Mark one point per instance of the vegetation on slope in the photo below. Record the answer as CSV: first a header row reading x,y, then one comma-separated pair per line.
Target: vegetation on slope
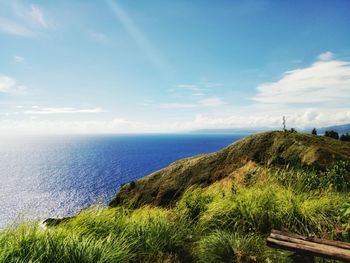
x,y
225,221
270,148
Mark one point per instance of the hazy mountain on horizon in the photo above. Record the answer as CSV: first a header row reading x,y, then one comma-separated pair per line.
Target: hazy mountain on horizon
x,y
343,128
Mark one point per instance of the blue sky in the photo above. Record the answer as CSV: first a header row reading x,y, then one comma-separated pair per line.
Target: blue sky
x,y
172,66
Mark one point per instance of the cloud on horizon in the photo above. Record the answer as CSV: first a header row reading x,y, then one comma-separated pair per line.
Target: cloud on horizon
x,y
61,110
325,81
314,96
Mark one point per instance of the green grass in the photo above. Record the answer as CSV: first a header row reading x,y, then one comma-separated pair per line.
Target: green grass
x,y
224,222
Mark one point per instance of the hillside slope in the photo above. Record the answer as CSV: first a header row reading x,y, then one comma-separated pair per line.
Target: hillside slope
x,y
270,148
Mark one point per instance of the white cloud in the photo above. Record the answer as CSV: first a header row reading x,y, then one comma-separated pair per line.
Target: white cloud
x,y
326,56
314,96
61,110
198,94
176,105
19,59
14,28
9,85
22,20
324,81
209,84
243,117
191,87
196,89
6,83
211,102
302,118
186,86
36,15
203,103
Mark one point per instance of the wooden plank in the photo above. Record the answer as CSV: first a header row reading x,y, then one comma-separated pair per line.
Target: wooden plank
x,y
340,244
306,248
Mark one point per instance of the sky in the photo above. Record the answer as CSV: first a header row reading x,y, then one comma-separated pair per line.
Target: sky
x,y
118,66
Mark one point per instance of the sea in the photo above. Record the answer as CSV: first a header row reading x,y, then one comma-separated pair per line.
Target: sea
x,y
57,176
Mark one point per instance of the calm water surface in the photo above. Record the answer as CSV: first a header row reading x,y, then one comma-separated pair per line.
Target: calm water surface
x,y
59,175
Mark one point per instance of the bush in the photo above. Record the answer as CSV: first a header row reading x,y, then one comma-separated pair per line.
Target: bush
x,y
221,246
300,180
292,130
193,203
345,220
345,137
338,176
332,134
261,208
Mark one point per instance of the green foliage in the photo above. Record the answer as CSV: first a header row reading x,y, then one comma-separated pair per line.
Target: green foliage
x,y
338,176
292,130
260,208
31,244
193,203
225,222
301,180
344,218
222,246
332,134
100,235
345,137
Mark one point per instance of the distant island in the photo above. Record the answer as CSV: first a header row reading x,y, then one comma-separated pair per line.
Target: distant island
x,y
216,207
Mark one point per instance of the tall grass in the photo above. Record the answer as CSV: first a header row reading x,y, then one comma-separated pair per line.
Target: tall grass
x,y
259,209
30,244
100,235
225,222
222,246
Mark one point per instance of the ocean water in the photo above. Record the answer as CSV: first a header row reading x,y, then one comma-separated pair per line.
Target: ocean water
x,y
58,176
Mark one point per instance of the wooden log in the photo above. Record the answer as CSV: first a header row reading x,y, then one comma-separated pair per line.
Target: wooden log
x,y
308,250
307,243
334,243
303,245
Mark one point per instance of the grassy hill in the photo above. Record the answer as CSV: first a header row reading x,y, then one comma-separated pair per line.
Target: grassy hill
x,y
265,149
209,208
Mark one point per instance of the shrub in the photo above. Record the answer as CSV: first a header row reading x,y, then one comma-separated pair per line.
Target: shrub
x,y
260,208
300,180
338,176
345,137
332,134
193,203
222,246
250,209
